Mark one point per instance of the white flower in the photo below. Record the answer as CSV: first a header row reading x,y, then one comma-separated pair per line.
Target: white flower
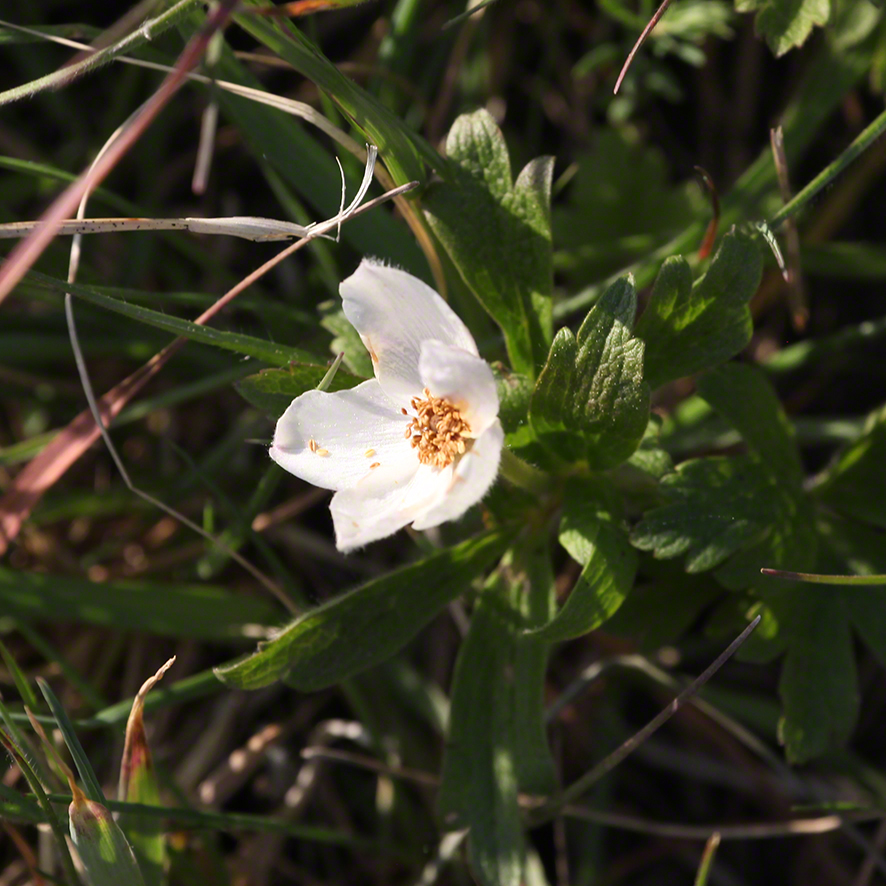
x,y
420,443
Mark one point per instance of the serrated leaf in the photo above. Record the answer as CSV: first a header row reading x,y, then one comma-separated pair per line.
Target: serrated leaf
x,y
498,234
590,400
479,787
514,392
818,683
853,483
367,625
715,506
750,508
593,532
786,23
650,458
272,390
690,328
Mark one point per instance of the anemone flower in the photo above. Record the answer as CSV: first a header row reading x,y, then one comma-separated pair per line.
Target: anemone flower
x,y
421,442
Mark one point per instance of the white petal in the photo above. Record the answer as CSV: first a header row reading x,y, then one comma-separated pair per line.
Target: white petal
x,y
475,472
394,313
383,503
463,379
352,430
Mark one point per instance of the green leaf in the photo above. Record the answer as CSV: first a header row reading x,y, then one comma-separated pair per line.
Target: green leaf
x,y
689,328
139,784
277,355
479,787
786,23
196,611
752,508
498,234
590,400
514,393
25,690
715,506
367,625
818,683
593,532
853,484
272,390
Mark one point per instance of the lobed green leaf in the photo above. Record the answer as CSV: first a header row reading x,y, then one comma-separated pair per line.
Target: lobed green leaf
x,y
754,504
690,328
786,24
591,400
715,507
746,399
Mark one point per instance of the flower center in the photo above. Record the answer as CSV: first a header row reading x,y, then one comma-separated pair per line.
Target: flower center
x,y
438,431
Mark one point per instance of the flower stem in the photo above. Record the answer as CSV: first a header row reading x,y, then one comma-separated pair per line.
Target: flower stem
x,y
523,475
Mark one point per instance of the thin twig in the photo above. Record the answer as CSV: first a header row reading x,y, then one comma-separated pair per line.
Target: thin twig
x,y
640,41
797,827
553,806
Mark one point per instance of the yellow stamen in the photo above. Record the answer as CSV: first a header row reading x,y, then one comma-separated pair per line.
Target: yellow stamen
x,y
438,430
369,453
322,452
